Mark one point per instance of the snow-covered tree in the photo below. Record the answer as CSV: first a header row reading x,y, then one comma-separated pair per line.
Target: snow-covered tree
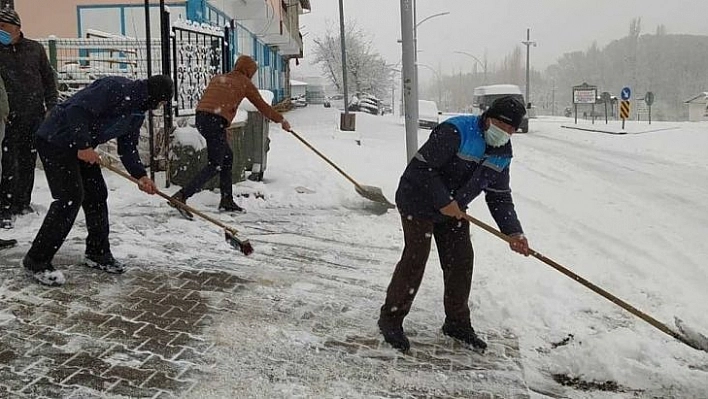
x,y
367,70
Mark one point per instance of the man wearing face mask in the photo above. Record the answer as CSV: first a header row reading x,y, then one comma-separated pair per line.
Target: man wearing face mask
x,y
112,107
32,91
215,111
4,112
464,156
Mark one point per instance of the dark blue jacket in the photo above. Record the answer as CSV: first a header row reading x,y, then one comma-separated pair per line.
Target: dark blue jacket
x,y
111,107
457,164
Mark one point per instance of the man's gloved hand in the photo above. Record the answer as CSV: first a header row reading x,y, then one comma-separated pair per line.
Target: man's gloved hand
x,y
519,244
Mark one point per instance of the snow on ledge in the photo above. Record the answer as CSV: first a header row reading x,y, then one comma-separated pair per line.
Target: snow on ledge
x,y
246,105
198,27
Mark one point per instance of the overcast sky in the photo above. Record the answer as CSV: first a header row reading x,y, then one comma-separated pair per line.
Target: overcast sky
x,y
494,27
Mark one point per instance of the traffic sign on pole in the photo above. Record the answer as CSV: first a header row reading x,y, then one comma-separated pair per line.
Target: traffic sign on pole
x,y
624,110
649,98
626,93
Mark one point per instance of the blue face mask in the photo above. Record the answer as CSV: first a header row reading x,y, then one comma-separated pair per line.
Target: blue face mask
x,y
5,37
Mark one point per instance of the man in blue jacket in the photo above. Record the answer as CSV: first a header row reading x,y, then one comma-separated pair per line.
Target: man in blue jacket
x,y
464,156
110,108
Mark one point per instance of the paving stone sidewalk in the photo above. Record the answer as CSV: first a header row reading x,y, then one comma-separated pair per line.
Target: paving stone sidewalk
x,y
158,332
137,335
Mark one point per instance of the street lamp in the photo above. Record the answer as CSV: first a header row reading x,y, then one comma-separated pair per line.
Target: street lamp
x,y
415,31
483,65
409,36
528,43
440,14
437,75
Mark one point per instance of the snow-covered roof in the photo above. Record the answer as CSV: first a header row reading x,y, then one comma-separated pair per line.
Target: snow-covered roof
x,y
297,83
497,89
703,96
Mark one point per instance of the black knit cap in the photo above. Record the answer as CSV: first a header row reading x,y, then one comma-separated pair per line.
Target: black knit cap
x,y
10,16
507,109
159,90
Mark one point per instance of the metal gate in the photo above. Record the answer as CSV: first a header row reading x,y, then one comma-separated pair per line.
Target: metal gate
x,y
198,53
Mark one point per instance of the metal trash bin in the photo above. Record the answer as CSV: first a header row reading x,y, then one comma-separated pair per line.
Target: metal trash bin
x,y
255,145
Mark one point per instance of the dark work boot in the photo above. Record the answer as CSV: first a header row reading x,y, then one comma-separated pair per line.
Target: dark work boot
x,y
179,196
394,335
105,262
6,219
4,244
465,333
43,272
227,204
22,210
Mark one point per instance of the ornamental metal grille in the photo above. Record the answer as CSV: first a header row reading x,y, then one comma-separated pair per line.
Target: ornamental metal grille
x,y
199,54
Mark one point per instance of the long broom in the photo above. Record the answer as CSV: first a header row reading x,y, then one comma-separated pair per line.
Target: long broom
x,y
230,234
685,335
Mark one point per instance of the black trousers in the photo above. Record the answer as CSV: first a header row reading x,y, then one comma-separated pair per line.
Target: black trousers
x,y
221,159
18,161
74,184
452,238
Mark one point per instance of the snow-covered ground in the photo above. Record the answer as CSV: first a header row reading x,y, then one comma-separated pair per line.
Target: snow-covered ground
x,y
627,212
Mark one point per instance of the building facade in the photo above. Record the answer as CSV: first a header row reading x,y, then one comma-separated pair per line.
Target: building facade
x,y
267,30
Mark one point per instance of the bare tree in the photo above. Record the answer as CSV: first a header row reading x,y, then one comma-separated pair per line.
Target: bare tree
x,y
367,70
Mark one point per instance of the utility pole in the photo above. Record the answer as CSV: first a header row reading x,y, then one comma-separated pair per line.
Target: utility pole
x,y
346,122
528,43
410,81
148,59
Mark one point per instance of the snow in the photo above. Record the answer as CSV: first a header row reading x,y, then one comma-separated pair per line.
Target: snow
x,y
189,136
626,211
246,104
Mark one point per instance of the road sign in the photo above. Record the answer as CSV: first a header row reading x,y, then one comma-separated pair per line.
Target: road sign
x,y
584,94
606,97
624,109
649,98
626,93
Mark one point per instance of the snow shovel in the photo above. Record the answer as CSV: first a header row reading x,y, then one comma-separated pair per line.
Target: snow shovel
x,y
230,234
369,192
685,335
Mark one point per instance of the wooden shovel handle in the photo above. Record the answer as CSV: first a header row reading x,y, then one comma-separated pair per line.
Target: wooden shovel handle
x,y
308,145
617,301
173,201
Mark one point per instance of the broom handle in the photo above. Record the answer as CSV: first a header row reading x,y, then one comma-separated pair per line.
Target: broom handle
x,y
308,145
172,200
617,301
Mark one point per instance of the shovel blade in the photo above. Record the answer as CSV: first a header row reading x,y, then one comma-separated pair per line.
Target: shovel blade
x,y
691,337
374,194
242,245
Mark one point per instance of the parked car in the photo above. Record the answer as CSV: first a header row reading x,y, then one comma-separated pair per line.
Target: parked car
x,y
428,114
366,103
298,102
484,96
